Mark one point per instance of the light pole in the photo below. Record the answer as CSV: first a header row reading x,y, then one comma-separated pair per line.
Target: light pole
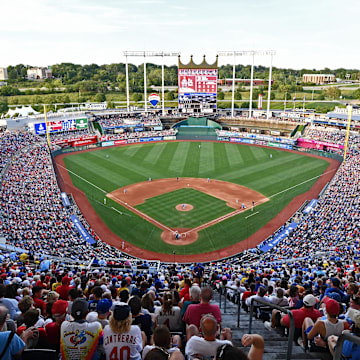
x,y
147,54
247,53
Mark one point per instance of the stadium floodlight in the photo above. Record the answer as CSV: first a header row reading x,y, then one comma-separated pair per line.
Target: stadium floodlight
x,y
252,53
147,54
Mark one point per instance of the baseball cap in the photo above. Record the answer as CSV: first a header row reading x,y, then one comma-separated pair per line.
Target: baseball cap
x,y
79,308
59,308
65,280
354,315
103,306
335,296
335,281
332,306
309,300
121,311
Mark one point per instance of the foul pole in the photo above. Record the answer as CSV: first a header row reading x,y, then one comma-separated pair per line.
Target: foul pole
x,y
349,109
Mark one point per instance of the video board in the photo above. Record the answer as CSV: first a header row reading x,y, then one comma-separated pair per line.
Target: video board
x,y
197,90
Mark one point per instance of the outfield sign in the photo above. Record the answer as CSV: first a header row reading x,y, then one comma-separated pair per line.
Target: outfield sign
x,y
154,99
85,235
241,140
61,125
281,146
283,234
310,206
65,199
156,138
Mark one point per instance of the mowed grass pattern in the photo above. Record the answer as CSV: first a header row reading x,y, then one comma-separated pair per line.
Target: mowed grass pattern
x,y
241,164
163,208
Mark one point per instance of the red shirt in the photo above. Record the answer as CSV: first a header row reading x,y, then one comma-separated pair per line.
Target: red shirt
x,y
247,294
195,311
300,315
63,291
184,293
53,334
40,304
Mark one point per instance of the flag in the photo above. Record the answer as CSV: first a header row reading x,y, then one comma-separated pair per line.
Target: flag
x,y
294,98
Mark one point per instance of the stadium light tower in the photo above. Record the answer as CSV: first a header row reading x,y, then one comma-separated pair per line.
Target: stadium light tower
x,y
147,54
252,53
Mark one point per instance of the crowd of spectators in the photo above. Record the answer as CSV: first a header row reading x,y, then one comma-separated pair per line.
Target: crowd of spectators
x,y
141,134
69,135
316,263
118,120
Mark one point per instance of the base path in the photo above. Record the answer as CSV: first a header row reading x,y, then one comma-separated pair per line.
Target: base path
x,y
236,196
109,237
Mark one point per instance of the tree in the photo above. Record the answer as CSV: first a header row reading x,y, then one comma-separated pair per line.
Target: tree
x,y
169,95
220,95
333,93
137,97
100,97
237,95
3,106
356,94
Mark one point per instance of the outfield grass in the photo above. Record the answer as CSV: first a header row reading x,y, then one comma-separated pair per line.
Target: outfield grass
x,y
163,208
244,165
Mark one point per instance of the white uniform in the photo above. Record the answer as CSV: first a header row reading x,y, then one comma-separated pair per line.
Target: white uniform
x,y
171,319
198,347
123,346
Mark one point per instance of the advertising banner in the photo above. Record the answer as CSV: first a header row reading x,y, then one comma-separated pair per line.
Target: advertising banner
x,y
40,129
79,227
78,139
120,142
154,99
283,234
314,144
107,143
68,125
157,128
65,199
55,126
139,129
81,123
156,138
84,142
169,138
310,206
240,140
281,146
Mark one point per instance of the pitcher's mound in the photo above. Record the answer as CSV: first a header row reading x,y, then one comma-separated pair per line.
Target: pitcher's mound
x,y
184,207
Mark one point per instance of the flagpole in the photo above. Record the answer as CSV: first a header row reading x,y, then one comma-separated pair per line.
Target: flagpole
x,y
47,126
349,109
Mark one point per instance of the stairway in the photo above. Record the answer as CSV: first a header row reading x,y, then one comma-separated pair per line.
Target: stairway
x,y
275,343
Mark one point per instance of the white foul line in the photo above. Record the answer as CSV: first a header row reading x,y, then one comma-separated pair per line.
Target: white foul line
x,y
251,215
292,187
83,179
136,211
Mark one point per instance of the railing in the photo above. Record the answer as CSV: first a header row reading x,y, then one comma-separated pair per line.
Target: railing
x,y
225,296
340,343
283,310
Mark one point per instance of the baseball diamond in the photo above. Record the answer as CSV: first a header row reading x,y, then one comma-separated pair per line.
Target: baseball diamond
x,y
286,180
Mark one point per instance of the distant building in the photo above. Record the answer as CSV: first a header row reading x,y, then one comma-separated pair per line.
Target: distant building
x,y
256,82
39,73
3,74
318,78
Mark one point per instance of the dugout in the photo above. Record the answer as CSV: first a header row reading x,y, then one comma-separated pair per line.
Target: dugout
x,y
197,129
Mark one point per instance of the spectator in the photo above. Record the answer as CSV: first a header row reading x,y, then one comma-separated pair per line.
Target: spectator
x,y
164,341
120,337
195,311
59,311
168,314
78,338
199,347
11,345
144,321
228,352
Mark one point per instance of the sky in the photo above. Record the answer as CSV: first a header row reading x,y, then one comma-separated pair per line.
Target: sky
x,y
311,34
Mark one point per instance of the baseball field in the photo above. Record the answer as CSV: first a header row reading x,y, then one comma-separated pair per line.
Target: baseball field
x,y
124,187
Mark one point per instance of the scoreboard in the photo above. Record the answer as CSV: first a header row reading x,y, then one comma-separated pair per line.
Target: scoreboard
x,y
197,90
